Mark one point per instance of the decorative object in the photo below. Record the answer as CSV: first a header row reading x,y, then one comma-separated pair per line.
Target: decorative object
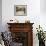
x,y
13,21
1,40
7,38
20,10
27,21
41,36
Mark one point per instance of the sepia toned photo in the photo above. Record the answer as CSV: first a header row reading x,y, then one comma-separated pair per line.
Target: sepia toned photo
x,y
20,10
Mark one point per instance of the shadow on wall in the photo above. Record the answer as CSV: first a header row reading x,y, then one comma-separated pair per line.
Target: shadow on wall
x,y
0,15
43,6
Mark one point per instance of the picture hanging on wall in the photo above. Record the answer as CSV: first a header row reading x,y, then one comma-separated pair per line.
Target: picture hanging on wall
x,y
20,10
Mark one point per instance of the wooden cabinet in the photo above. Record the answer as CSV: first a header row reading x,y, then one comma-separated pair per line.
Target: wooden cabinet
x,y
22,33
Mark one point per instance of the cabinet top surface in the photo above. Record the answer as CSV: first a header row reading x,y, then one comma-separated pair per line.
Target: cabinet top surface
x,y
19,23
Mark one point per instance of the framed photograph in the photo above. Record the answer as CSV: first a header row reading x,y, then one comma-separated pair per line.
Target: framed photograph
x,y
20,10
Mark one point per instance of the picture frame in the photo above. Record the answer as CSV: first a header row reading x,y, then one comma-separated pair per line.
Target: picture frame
x,y
20,10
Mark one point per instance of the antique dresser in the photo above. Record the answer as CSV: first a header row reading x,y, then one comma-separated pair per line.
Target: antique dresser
x,y
22,33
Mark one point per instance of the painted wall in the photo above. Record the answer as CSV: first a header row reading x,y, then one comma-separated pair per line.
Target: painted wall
x,y
33,10
43,14
43,6
0,15
34,14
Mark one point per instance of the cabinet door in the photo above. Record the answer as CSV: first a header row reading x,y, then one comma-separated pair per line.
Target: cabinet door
x,y
20,37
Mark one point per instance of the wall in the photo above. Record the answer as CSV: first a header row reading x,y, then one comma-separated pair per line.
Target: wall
x,y
33,10
43,6
0,15
43,14
34,14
